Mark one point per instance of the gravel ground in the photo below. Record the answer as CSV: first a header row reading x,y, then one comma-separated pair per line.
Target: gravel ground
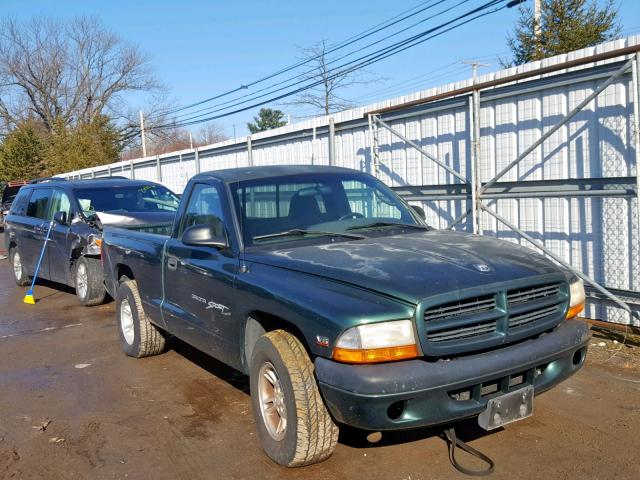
x,y
73,406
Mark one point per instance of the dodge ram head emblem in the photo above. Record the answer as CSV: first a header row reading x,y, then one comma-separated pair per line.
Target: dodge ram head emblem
x,y
482,267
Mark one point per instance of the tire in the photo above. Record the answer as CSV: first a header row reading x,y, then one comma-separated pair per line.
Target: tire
x,y
19,273
88,281
138,336
309,434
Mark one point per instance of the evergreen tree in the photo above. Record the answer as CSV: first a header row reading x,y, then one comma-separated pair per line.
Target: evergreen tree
x,y
266,120
565,25
22,153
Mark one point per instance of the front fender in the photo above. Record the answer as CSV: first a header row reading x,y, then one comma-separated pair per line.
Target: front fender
x,y
316,306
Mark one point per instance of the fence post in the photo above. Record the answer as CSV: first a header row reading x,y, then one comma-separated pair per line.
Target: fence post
x,y
132,170
635,84
249,151
332,142
158,169
197,160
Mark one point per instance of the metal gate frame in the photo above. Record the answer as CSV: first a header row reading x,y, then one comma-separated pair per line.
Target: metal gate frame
x,y
481,191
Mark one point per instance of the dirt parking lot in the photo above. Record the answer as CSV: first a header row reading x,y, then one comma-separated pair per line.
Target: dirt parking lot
x,y
73,406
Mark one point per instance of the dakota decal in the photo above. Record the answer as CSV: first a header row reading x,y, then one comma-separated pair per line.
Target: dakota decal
x,y
211,305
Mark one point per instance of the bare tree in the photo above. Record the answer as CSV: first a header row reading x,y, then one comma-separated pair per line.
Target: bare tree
x,y
70,72
326,97
209,133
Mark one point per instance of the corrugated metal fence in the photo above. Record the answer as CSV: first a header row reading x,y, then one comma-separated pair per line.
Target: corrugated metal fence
x,y
591,221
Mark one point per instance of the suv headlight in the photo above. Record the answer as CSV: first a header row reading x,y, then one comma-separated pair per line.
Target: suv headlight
x,y
377,342
576,299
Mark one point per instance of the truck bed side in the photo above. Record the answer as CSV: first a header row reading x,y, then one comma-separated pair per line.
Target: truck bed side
x,y
139,255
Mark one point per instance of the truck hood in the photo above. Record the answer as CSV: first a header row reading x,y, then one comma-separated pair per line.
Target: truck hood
x,y
412,266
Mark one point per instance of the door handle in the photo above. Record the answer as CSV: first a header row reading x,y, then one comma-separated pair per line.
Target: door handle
x,y
172,263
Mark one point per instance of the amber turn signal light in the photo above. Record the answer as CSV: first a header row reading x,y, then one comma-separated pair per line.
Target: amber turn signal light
x,y
575,310
375,355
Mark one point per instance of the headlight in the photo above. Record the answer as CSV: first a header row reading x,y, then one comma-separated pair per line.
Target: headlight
x,y
94,246
377,342
576,299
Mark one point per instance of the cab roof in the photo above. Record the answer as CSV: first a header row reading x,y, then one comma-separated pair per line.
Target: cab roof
x,y
233,175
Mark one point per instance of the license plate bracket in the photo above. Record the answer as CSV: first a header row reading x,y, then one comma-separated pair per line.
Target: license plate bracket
x,y
507,408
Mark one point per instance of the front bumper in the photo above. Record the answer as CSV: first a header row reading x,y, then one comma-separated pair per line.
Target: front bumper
x,y
418,393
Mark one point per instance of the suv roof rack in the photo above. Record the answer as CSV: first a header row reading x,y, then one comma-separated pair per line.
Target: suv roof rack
x,y
16,183
48,179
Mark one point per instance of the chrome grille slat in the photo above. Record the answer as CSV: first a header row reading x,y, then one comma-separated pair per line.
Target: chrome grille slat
x,y
515,297
523,318
463,332
463,307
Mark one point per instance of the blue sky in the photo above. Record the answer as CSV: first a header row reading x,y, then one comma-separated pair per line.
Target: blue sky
x,y
199,49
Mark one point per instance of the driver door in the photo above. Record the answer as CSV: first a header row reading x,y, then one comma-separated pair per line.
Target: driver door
x,y
198,288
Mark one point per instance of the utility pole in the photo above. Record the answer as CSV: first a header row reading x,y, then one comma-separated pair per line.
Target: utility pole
x,y
191,140
537,16
144,141
474,66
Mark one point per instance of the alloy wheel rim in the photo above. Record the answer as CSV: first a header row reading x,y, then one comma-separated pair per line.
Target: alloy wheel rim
x,y
271,398
81,281
126,321
17,266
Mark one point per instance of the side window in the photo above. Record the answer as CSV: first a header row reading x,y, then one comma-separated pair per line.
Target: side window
x,y
19,205
39,203
204,208
60,203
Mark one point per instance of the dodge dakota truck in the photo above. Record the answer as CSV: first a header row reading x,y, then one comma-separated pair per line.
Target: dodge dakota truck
x,y
344,307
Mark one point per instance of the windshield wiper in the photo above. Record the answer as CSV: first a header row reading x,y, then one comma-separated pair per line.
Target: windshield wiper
x,y
390,224
298,232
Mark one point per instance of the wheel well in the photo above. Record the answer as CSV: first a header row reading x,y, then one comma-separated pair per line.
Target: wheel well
x,y
259,323
124,271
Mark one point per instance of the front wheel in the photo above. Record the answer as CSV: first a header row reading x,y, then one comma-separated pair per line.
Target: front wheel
x,y
294,426
89,281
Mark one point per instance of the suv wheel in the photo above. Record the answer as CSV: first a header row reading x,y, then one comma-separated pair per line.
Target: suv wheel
x,y
88,281
19,273
293,423
138,336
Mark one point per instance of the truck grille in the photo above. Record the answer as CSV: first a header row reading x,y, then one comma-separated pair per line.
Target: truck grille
x,y
480,321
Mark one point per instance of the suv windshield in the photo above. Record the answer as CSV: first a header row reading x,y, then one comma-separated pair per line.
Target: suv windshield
x,y
281,209
137,198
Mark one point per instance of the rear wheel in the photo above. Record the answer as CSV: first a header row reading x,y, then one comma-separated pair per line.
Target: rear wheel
x,y
138,336
294,426
17,267
89,281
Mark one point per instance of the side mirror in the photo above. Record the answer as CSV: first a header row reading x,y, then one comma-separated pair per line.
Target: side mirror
x,y
419,211
205,236
60,217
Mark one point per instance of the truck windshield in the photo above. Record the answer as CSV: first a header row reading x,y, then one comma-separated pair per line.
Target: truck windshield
x,y
138,198
277,209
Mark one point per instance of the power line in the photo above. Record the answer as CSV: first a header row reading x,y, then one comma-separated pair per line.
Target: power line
x,y
364,61
294,80
349,41
373,55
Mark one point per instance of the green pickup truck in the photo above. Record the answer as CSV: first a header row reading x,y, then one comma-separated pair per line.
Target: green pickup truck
x,y
344,307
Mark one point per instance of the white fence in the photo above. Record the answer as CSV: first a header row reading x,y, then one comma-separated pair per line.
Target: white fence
x,y
590,162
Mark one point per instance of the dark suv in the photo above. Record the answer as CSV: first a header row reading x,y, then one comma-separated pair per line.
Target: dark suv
x,y
78,210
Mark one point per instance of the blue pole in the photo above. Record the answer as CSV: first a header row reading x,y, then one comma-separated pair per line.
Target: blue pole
x,y
35,275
